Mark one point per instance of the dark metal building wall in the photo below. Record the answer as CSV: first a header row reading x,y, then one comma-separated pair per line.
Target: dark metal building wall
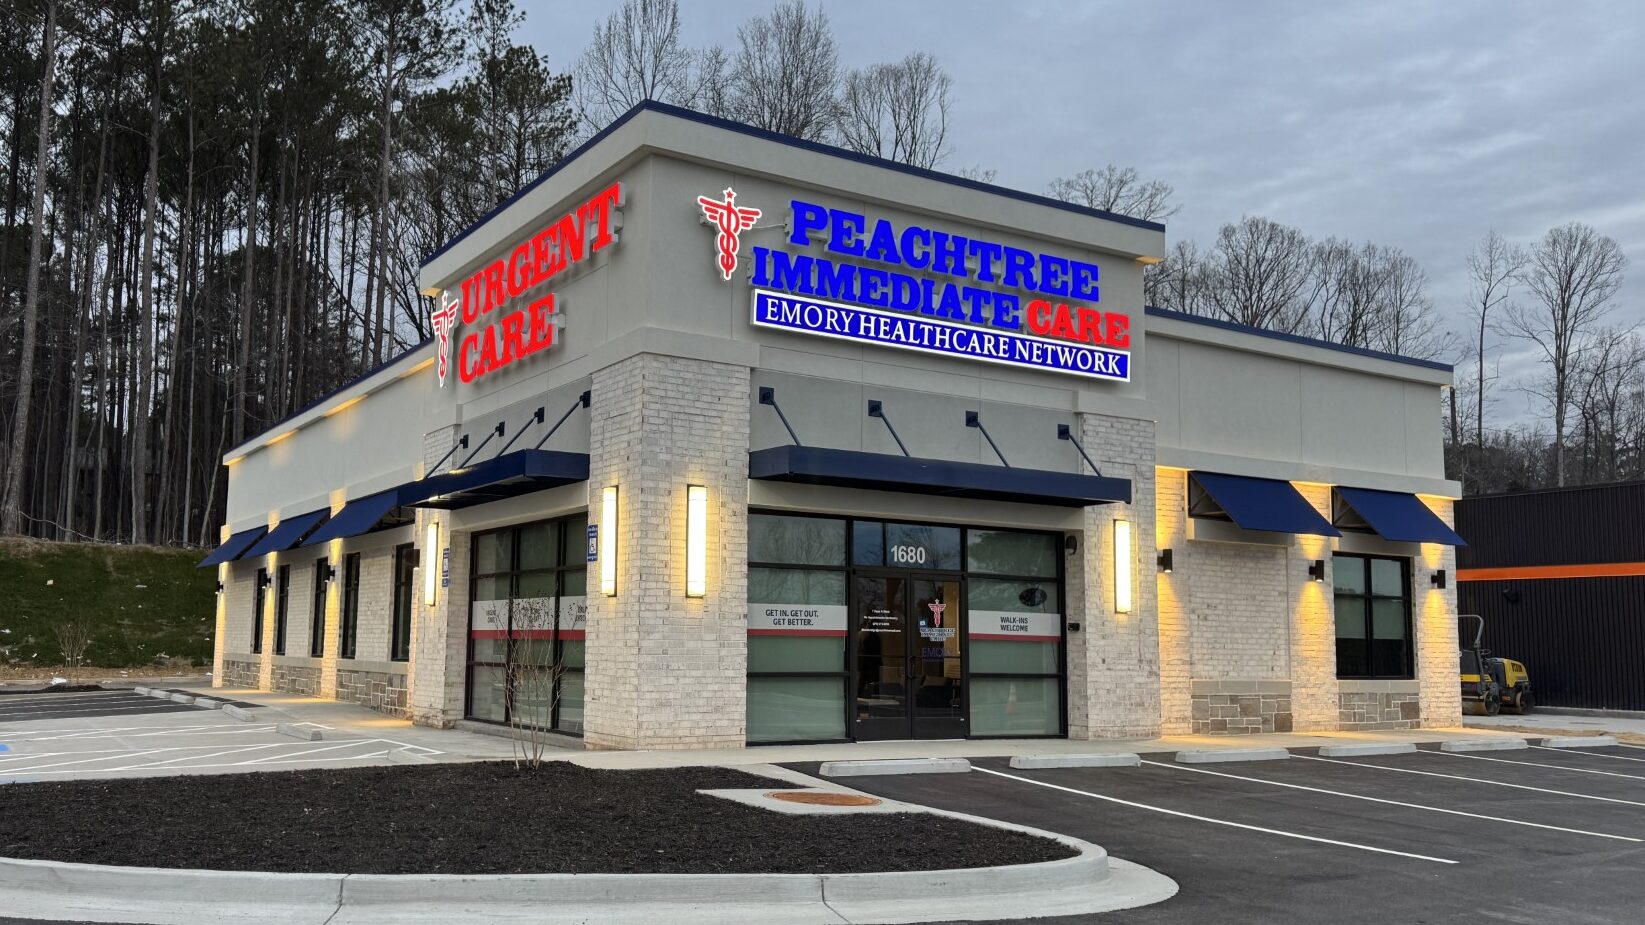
x,y
1603,523
1583,639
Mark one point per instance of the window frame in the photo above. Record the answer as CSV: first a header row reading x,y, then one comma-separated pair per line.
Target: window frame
x,y
348,629
571,558
318,601
405,601
1368,597
282,606
259,604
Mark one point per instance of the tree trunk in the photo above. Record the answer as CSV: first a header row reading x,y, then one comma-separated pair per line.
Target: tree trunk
x,y
11,510
143,375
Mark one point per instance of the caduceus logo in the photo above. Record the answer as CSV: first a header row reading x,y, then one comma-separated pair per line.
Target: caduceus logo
x,y
732,220
937,607
445,321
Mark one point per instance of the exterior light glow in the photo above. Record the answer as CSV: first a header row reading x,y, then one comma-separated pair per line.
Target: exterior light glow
x,y
608,541
696,540
430,575
1122,566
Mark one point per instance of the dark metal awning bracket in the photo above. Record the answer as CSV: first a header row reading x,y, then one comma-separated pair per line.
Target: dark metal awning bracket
x,y
876,409
461,444
536,418
768,396
1064,432
495,432
973,419
582,401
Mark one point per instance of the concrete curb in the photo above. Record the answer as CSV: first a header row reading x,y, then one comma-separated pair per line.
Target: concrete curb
x,y
183,698
1118,760
306,733
139,689
1578,742
1482,745
1218,755
1089,882
1361,751
207,703
864,768
239,713
159,694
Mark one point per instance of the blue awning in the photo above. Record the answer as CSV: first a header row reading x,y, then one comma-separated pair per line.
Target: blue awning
x,y
288,533
506,476
855,469
1271,505
356,517
1394,515
234,547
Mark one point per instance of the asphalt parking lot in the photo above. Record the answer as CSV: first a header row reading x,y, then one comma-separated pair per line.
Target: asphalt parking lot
x,y
1535,835
23,708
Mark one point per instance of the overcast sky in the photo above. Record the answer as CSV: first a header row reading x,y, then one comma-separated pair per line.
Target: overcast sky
x,y
1419,125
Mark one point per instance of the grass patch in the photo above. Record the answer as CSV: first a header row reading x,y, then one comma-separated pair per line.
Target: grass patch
x,y
148,606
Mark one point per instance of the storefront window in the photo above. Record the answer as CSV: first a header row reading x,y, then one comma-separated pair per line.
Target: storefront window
x,y
528,615
1003,600
1373,617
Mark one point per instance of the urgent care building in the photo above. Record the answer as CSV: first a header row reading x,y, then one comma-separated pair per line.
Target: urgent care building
x,y
754,440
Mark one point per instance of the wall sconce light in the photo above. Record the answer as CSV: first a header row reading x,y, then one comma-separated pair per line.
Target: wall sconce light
x,y
1165,561
219,587
608,541
1071,544
1438,578
431,576
696,540
1317,570
1122,566
330,576
268,580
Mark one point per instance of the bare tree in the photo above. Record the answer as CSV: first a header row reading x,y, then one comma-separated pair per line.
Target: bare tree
x,y
1492,268
11,500
977,172
1179,282
532,685
1574,272
634,55
1607,372
897,111
73,639
1117,189
1259,274
785,72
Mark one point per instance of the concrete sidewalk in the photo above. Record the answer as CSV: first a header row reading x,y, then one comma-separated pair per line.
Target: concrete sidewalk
x,y
1554,723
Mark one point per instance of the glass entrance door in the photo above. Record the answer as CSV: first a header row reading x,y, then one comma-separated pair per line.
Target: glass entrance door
x,y
909,672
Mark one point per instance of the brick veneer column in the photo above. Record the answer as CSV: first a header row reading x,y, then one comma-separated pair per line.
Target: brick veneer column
x,y
1174,602
664,670
1114,661
1433,619
439,634
1314,705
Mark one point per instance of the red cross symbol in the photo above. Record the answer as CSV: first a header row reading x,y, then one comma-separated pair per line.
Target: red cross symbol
x,y
732,220
445,321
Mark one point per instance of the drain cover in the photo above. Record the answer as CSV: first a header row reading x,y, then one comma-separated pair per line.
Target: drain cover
x,y
822,798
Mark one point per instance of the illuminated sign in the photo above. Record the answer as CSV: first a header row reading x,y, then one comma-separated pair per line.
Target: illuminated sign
x,y
510,336
918,288
731,220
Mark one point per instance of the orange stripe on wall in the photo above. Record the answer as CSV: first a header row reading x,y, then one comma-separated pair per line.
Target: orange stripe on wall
x,y
1531,572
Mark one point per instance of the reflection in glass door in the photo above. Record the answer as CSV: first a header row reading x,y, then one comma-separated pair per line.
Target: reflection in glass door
x,y
906,645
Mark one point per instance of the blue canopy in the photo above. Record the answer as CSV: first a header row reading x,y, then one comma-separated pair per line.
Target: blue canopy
x,y
506,476
1398,516
356,517
234,547
287,533
855,469
1271,505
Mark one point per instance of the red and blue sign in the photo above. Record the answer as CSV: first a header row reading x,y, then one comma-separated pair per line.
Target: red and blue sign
x,y
918,288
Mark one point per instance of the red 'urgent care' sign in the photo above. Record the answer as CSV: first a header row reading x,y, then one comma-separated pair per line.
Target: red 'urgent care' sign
x,y
529,266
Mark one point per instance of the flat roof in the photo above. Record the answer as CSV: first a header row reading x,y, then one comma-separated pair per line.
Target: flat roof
x,y
1225,325
791,141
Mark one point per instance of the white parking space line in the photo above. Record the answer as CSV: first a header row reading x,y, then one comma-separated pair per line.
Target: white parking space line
x,y
1540,764
312,751
59,764
124,732
1370,799
1577,751
152,706
1237,825
1474,780
239,749
196,767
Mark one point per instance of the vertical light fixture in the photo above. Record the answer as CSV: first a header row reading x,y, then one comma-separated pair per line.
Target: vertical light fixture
x,y
431,550
696,540
608,541
1122,566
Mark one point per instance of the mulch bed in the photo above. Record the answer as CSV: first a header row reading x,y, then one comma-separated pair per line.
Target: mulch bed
x,y
55,689
487,818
